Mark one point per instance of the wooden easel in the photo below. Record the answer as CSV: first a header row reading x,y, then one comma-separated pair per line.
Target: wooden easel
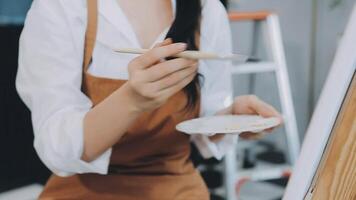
x,y
335,178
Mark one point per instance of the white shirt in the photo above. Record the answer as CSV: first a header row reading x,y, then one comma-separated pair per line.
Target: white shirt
x,y
50,74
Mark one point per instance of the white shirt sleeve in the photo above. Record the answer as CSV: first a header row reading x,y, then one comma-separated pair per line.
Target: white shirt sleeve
x,y
216,91
49,82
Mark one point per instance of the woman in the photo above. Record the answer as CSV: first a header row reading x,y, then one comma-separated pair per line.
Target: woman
x,y
104,122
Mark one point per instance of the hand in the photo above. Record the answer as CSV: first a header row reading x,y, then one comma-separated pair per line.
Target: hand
x,y
152,80
250,105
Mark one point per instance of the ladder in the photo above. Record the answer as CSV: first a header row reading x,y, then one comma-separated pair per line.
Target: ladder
x,y
273,41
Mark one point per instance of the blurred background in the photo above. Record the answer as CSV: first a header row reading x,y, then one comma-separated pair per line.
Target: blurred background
x,y
309,31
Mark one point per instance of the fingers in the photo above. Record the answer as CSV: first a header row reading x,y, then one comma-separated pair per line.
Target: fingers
x,y
251,136
262,108
251,104
177,87
166,68
156,54
270,130
175,78
165,42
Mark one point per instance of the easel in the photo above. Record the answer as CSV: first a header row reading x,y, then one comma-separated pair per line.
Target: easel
x,y
336,175
326,167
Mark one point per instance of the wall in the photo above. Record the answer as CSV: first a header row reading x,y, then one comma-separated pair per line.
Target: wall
x,y
307,68
330,27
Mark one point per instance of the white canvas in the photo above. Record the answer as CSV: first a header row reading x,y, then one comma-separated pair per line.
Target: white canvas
x,y
325,114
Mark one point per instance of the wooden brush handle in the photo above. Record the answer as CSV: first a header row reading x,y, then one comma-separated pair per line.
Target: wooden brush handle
x,y
185,54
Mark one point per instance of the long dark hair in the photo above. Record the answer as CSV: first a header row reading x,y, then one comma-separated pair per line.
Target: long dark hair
x,y
185,28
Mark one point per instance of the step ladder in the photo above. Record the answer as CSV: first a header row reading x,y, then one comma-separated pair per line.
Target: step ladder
x,y
274,46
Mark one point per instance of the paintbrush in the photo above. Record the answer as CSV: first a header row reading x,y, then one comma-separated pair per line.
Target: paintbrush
x,y
195,55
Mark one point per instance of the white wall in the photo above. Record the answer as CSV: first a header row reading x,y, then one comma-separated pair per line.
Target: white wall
x,y
307,72
330,27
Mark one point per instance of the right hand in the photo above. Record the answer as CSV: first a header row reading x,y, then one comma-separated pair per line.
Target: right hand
x,y
153,80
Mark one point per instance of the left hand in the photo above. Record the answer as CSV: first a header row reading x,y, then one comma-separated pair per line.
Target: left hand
x,y
249,105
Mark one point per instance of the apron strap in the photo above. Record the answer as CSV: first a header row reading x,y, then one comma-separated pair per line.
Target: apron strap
x,y
90,34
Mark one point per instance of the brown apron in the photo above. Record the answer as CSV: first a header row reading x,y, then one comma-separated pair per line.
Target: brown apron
x,y
151,161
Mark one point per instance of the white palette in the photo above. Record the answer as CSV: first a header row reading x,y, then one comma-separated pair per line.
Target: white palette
x,y
233,124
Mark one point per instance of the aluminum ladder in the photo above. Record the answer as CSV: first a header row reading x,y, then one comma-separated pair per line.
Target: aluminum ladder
x,y
274,46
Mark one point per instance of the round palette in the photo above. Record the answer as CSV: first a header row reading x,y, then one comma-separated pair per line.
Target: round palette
x,y
234,124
